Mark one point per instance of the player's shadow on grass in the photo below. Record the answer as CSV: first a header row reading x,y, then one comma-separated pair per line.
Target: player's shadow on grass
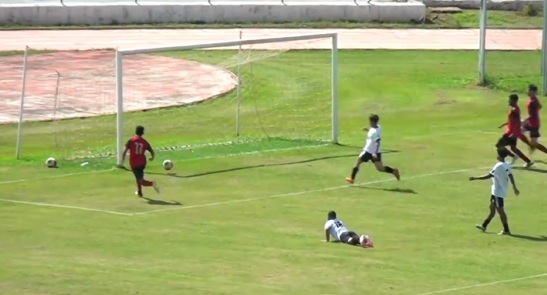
x,y
531,169
268,165
390,190
161,202
530,238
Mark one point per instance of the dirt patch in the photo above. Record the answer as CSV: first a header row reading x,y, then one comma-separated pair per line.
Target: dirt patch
x,y
75,84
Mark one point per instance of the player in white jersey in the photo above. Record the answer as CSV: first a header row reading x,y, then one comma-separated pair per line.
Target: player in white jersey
x,y
372,152
336,229
501,175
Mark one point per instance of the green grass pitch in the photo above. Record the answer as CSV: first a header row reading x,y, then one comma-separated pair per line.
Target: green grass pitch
x,y
252,212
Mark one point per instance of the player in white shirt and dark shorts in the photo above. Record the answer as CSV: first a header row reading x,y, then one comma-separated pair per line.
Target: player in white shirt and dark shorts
x,y
336,229
371,151
501,175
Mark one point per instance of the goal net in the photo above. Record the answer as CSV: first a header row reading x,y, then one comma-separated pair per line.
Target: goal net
x,y
240,96
55,100
207,100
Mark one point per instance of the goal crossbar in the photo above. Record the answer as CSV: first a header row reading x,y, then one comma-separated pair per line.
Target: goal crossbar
x,y
231,43
334,73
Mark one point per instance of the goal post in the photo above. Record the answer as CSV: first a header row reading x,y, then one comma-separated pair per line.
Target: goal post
x,y
246,60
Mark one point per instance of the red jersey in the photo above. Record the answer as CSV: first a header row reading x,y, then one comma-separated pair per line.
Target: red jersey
x,y
513,127
137,146
533,106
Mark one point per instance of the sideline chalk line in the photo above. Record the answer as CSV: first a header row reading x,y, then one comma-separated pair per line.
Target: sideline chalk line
x,y
56,176
240,200
64,206
485,284
308,191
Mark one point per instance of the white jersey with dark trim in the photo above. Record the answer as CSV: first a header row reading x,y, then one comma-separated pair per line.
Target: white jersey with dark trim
x,y
374,136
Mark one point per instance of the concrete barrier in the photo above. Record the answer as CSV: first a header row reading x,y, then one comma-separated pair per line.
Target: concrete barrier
x,y
203,12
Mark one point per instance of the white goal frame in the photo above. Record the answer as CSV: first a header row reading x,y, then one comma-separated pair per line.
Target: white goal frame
x,y
334,76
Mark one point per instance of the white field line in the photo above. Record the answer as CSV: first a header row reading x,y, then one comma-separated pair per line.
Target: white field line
x,y
57,176
236,201
485,284
292,194
64,206
256,152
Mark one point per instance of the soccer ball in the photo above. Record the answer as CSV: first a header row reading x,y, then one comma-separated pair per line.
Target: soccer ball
x,y
51,162
167,165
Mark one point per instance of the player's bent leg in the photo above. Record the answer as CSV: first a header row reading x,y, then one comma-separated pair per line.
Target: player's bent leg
x,y
521,155
503,216
139,174
534,136
380,167
355,169
353,238
345,237
491,215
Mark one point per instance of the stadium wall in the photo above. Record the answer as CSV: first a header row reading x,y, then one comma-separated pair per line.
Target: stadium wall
x,y
52,15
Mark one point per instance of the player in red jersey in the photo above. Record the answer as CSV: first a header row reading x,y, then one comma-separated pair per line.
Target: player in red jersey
x,y
512,132
532,123
137,146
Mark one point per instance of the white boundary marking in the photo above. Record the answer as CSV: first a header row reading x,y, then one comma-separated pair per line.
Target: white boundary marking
x,y
291,194
240,200
256,152
485,284
56,176
64,206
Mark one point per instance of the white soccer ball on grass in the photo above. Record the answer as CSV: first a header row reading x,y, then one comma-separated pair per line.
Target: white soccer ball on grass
x,y
51,162
168,165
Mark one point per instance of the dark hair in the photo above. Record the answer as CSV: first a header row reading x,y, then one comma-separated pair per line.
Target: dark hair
x,y
139,130
532,87
514,97
503,153
331,215
374,118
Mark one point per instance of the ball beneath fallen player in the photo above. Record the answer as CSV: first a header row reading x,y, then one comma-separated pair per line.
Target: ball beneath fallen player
x,y
51,162
167,165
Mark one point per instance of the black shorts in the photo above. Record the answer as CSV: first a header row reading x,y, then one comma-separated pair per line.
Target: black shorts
x,y
366,156
534,131
497,201
506,140
345,236
138,172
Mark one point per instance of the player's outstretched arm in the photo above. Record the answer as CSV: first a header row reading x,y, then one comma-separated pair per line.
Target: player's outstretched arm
x,y
152,154
485,177
502,125
124,154
513,183
327,235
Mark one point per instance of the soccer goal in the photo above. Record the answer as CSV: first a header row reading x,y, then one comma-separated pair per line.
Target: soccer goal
x,y
271,92
205,100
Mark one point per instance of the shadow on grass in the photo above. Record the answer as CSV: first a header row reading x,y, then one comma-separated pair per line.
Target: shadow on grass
x,y
266,165
161,202
530,238
532,169
391,190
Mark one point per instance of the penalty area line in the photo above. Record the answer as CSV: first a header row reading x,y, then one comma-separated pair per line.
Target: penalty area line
x,y
64,207
56,176
298,193
485,284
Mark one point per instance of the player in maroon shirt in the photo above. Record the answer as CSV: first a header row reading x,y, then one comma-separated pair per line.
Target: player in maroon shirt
x,y
137,146
512,132
532,123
